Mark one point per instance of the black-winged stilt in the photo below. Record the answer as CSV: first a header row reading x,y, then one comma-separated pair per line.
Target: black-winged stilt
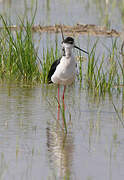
x,y
63,70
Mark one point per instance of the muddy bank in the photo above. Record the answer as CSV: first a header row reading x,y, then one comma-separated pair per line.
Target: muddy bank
x,y
90,29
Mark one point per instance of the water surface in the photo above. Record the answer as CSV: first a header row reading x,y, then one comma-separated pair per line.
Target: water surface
x,y
33,145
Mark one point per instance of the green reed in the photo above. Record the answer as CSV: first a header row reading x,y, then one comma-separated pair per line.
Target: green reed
x,y
104,73
17,53
48,58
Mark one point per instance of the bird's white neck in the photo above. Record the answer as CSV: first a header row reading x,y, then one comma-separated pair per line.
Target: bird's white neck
x,y
68,52
67,48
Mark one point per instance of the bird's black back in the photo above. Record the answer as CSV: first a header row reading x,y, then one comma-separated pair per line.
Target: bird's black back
x,y
52,70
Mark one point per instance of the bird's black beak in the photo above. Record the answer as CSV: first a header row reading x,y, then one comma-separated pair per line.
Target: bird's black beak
x,y
81,49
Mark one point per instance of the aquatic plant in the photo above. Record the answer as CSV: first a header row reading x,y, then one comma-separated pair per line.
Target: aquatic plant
x,y
17,53
47,59
103,74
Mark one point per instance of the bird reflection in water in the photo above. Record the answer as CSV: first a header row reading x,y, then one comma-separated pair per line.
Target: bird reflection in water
x,y
60,151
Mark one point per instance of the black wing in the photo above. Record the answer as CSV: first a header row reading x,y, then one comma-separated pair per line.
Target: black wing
x,y
52,70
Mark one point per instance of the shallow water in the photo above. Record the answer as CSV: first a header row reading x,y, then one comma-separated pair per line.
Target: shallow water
x,y
67,12
33,145
32,142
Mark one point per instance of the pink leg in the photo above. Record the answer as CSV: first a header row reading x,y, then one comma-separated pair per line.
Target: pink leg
x,y
58,104
63,97
63,116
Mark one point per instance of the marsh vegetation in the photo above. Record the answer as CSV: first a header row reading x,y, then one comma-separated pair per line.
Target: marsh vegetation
x,y
19,60
34,144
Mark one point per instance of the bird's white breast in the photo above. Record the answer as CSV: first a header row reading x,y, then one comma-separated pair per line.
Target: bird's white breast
x,y
65,71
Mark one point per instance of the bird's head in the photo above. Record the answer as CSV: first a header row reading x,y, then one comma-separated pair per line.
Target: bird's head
x,y
68,43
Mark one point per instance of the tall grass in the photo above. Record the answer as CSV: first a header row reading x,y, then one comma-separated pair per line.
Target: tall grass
x,y
19,59
47,59
105,73
17,53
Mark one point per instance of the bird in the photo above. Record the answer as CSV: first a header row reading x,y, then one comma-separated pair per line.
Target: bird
x,y
63,70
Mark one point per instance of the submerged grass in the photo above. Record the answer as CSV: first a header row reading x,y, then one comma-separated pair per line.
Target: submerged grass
x,y
120,119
